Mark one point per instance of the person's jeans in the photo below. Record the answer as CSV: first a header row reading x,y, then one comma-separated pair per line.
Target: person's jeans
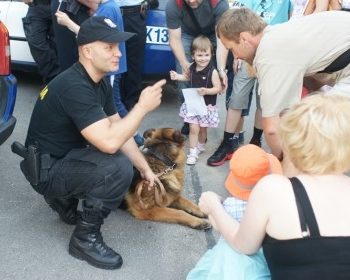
x,y
122,111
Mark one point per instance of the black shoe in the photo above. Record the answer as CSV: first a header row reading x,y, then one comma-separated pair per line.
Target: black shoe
x,y
66,208
223,153
256,142
87,244
241,138
185,130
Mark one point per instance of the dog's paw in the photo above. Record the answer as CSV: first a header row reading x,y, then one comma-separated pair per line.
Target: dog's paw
x,y
204,225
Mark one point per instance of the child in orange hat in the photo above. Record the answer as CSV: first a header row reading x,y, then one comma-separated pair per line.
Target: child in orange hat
x,y
247,166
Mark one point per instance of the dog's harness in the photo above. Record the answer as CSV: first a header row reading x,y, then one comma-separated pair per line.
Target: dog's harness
x,y
159,191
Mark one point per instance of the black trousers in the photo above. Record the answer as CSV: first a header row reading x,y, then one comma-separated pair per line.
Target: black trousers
x,y
100,179
38,29
135,49
66,45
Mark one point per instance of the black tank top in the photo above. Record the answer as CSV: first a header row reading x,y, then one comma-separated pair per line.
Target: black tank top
x,y
203,79
312,257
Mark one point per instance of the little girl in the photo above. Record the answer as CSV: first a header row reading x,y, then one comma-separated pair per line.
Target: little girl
x,y
205,78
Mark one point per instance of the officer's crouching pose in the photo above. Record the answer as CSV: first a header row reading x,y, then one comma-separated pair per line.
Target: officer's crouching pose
x,y
87,151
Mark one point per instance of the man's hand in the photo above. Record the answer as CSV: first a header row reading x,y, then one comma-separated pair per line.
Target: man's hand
x,y
223,79
151,178
150,97
28,1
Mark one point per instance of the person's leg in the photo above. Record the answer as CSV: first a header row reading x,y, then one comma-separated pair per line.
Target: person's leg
x,y
132,79
258,130
202,139
230,76
122,111
37,26
186,43
242,87
101,180
193,141
67,49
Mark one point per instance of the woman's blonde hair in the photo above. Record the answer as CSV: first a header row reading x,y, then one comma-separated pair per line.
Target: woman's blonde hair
x,y
315,134
235,21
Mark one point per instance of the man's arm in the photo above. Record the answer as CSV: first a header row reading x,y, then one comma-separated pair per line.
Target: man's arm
x,y
221,58
109,134
269,125
178,49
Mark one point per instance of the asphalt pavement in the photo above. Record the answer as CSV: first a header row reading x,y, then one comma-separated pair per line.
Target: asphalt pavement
x,y
34,241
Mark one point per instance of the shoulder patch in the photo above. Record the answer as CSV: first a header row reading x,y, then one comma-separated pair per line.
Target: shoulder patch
x,y
43,93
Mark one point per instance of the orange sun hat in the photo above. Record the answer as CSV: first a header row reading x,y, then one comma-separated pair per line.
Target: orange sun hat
x,y
247,166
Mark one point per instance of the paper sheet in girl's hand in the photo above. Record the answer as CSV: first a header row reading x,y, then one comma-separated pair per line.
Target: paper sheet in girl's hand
x,y
194,102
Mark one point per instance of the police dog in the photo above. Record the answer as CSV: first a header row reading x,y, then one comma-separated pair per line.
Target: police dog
x,y
164,152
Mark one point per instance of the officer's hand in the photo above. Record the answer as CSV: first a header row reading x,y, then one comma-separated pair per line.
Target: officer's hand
x,y
150,97
27,1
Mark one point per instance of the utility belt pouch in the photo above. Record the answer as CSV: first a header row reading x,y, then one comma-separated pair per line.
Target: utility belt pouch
x,y
45,165
30,165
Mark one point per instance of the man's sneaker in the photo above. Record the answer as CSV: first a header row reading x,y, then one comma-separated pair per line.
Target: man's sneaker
x,y
185,130
223,153
192,156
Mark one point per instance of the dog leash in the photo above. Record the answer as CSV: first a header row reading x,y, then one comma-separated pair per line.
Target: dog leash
x,y
159,190
159,193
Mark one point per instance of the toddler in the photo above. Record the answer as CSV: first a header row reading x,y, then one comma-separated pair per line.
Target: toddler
x,y
205,78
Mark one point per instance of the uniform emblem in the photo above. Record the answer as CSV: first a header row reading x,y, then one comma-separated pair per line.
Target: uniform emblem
x,y
110,23
43,93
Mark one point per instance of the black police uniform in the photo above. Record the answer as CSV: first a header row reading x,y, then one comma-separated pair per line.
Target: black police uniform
x,y
38,29
70,103
67,49
135,22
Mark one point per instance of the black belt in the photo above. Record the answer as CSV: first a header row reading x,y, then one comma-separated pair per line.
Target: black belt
x,y
126,10
42,2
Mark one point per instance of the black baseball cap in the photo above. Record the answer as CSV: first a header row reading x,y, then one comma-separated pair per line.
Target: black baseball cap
x,y
98,28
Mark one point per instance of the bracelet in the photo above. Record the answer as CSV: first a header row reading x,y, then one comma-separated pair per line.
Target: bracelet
x,y
222,70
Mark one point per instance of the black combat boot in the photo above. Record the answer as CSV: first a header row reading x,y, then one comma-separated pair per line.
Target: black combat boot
x,y
66,208
224,152
87,243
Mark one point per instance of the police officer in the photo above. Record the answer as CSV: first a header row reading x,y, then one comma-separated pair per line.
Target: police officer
x,y
92,150
38,29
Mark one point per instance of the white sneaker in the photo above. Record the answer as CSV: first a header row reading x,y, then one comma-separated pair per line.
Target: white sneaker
x,y
200,147
192,156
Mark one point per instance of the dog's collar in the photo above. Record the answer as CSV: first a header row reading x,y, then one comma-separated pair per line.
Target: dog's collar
x,y
166,160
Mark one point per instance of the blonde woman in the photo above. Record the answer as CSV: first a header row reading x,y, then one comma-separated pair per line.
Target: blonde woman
x,y
302,223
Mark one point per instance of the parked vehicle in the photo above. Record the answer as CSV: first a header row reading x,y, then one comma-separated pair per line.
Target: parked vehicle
x,y
159,59
8,87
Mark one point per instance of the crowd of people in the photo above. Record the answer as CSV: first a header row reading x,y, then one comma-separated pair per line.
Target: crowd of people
x,y
278,224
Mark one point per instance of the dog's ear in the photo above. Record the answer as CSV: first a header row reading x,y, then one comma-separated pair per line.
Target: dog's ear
x,y
178,137
148,133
